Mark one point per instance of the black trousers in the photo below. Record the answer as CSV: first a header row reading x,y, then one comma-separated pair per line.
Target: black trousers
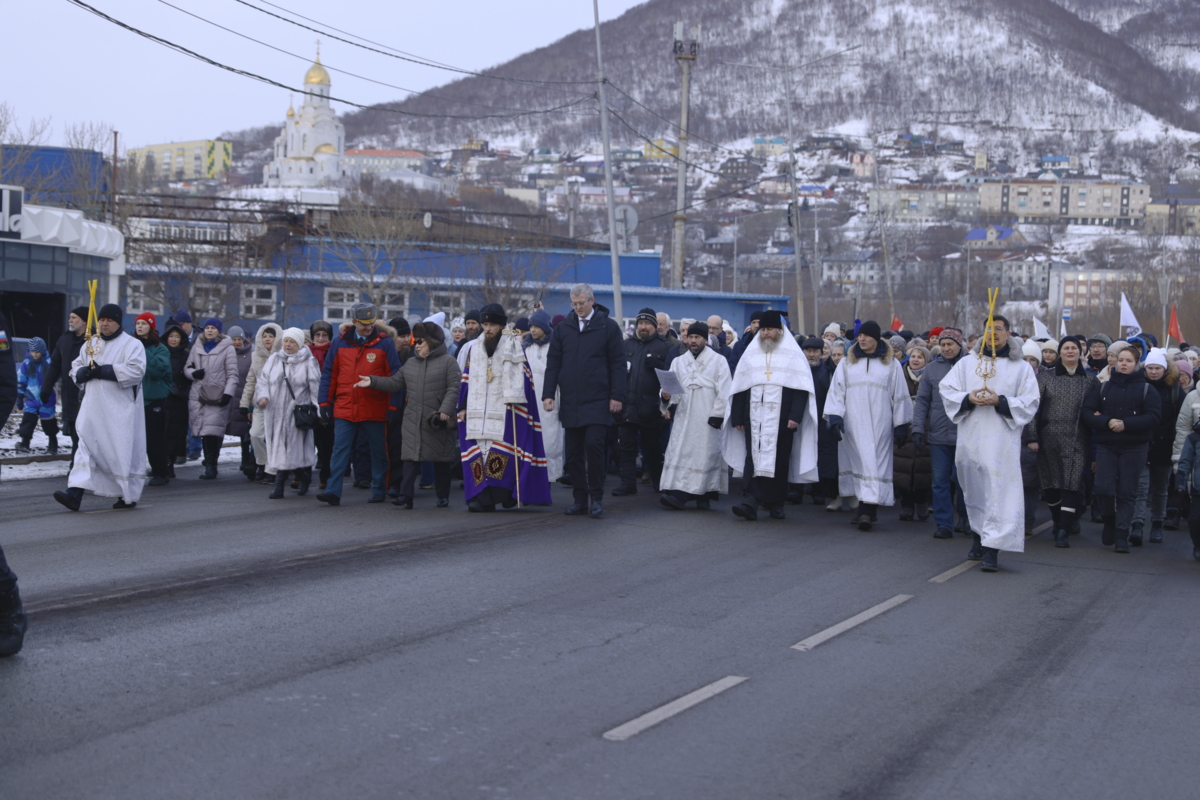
x,y
8,579
627,451
177,426
443,471
585,460
1065,506
29,422
1117,474
156,438
323,436
1193,520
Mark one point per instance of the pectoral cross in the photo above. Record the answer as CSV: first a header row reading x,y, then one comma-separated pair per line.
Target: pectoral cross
x,y
768,372
489,372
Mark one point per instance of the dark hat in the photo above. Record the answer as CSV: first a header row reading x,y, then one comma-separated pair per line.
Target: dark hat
x,y
541,318
756,316
400,325
648,315
698,328
472,315
363,312
871,328
771,318
181,316
813,343
81,312
36,345
494,313
111,311
953,334
907,336
522,324
216,323
320,325
1078,340
557,319
1100,337
430,331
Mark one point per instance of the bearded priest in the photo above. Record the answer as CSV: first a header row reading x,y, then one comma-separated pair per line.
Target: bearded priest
x,y
499,432
770,430
693,468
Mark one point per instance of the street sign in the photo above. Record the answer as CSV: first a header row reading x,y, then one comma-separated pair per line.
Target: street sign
x,y
1066,313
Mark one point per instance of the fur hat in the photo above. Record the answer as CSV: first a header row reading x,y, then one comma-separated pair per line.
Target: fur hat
x,y
698,329
427,330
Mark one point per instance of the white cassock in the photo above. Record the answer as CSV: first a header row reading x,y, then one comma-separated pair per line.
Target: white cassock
x,y
871,396
111,459
988,456
552,432
693,462
766,375
464,353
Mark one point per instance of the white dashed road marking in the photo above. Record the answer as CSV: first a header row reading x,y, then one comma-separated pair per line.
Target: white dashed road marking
x,y
853,622
652,718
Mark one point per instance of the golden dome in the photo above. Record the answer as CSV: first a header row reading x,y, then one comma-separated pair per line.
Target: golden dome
x,y
316,73
326,148
291,112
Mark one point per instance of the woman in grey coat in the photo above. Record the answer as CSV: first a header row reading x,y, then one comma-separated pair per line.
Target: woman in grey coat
x,y
431,378
289,378
212,367
239,423
266,342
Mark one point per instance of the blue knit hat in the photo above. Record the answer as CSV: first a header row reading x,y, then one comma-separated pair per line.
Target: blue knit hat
x,y
181,316
37,345
541,318
216,323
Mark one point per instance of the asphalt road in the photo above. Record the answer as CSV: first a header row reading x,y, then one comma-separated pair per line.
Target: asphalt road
x,y
213,643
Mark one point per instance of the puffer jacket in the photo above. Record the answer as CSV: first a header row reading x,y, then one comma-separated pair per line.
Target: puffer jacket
x,y
258,359
350,358
206,415
431,386
1170,395
1188,414
30,379
1128,398
642,392
180,385
239,425
158,379
929,412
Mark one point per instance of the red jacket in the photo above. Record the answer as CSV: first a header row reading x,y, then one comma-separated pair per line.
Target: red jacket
x,y
348,359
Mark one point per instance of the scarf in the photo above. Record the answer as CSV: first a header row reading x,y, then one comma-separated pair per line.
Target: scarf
x,y
209,344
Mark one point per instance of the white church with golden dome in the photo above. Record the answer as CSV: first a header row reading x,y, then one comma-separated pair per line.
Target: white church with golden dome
x,y
308,151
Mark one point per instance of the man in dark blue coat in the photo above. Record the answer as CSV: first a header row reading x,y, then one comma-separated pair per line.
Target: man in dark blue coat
x,y
12,614
586,365
642,416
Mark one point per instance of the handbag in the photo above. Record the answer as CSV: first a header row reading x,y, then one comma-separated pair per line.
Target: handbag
x,y
304,414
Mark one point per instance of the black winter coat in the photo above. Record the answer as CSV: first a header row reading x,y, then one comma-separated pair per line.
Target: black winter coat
x,y
912,467
66,350
1128,398
180,385
587,368
642,386
1162,444
827,444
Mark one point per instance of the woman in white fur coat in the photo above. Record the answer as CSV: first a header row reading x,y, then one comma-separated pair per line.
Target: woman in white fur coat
x,y
290,377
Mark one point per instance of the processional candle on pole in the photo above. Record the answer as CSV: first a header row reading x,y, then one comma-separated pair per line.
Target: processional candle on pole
x,y
985,367
91,333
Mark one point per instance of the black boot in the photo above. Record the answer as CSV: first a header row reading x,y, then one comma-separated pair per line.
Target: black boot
x,y
1109,534
71,498
1156,529
305,481
260,474
210,472
1171,523
988,562
280,482
1135,535
13,623
23,445
53,446
976,551
1060,538
624,490
1122,542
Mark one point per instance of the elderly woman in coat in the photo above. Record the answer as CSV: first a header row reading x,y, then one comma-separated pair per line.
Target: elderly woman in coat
x,y
290,378
912,467
212,368
266,342
431,379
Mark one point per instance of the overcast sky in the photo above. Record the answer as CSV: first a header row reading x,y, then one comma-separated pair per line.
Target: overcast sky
x,y
67,64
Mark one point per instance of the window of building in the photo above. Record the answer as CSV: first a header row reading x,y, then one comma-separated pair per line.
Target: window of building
x,y
258,302
338,303
395,304
453,303
208,300
138,299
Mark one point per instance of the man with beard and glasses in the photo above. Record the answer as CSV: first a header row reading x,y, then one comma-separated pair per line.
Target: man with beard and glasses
x,y
645,352
695,468
771,430
499,431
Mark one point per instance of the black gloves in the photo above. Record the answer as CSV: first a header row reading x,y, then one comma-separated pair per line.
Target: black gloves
x,y
919,440
900,433
44,395
245,412
106,373
837,425
326,415
716,422
85,374
226,399
197,374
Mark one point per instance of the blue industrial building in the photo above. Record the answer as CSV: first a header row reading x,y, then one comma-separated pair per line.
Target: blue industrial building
x,y
56,176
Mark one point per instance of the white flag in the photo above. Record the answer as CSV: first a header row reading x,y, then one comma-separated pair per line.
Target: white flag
x,y
1128,320
1062,330
1040,331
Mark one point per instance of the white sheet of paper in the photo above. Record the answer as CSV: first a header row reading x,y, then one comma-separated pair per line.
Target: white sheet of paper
x,y
669,382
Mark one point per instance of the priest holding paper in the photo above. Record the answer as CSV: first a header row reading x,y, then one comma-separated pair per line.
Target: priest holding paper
x,y
771,423
694,396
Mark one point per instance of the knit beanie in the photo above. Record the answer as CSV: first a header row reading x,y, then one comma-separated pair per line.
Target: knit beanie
x,y
181,316
81,312
1184,366
522,323
235,332
216,323
295,334
400,325
1156,357
148,317
459,324
953,334
1117,346
36,345
541,319
557,319
647,315
1031,349
111,311
833,328
871,328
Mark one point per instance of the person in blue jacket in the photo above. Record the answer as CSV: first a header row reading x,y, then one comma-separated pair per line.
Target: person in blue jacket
x,y
29,387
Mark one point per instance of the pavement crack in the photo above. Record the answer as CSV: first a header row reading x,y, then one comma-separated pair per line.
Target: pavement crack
x,y
605,643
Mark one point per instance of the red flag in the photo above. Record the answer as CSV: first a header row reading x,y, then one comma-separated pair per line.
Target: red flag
x,y
1173,328
896,324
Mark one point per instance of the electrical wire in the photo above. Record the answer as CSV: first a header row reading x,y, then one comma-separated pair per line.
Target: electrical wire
x,y
696,203
651,142
413,92
270,82
666,120
414,59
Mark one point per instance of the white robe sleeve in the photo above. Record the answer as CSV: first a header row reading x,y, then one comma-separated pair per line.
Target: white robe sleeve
x,y
724,381
1024,405
835,400
131,371
954,388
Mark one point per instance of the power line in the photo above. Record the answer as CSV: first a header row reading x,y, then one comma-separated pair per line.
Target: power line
x,y
696,203
335,69
414,59
255,76
666,120
650,142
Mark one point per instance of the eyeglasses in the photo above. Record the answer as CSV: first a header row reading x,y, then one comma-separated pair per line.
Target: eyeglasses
x,y
579,303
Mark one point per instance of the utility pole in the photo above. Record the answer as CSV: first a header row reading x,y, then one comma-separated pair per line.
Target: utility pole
x,y
112,191
608,182
785,75
685,56
887,264
571,195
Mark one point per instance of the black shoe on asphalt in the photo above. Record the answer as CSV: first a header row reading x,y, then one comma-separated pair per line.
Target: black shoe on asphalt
x,y
158,481
943,533
576,510
478,507
988,562
329,497
746,511
376,498
703,504
565,480
976,551
777,513
922,511
260,474
442,502
404,502
671,502
907,514
624,491
509,503
13,623
1135,536
1109,534
864,522
1060,538
1171,523
121,504
1122,542
597,510
210,474
70,498
1156,529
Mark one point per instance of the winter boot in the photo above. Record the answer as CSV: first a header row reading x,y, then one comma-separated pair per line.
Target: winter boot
x,y
1109,534
1122,542
1171,523
907,514
53,445
305,481
976,551
988,562
71,498
210,472
13,623
280,482
1156,529
1060,538
23,445
260,474
1135,535
922,511
624,490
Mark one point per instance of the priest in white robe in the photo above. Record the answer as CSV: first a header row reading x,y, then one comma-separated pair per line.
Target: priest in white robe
x,y
770,430
694,467
868,408
988,457
537,348
111,459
